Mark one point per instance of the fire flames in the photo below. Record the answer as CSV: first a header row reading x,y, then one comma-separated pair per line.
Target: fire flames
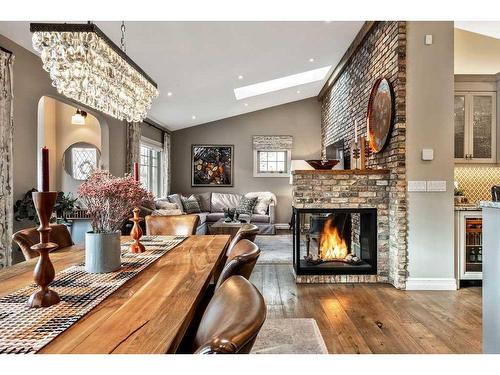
x,y
331,244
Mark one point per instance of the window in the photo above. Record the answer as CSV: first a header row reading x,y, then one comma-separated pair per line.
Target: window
x,y
84,160
151,166
272,163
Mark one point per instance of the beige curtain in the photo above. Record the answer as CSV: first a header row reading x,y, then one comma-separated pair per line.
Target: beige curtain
x,y
133,145
166,163
6,131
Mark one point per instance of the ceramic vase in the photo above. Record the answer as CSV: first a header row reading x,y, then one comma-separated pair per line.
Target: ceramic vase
x,y
102,252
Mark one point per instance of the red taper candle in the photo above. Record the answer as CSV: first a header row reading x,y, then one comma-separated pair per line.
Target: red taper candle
x,y
136,171
45,169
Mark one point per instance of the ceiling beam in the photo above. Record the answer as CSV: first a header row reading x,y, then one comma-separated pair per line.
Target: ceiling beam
x,y
356,43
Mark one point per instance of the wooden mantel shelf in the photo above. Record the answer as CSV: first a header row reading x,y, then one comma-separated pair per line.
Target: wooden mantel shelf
x,y
341,171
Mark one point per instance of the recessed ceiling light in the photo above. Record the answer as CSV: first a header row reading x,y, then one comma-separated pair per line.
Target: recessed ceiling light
x,y
169,93
193,117
298,91
240,77
281,83
311,59
246,104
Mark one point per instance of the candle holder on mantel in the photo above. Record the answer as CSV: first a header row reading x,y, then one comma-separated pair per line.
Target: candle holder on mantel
x,y
44,271
136,233
358,153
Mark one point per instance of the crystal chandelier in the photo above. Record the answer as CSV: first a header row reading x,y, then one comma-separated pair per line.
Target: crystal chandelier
x,y
85,65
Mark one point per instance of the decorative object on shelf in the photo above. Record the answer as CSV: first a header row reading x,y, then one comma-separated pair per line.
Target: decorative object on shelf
x,y
380,110
136,233
44,270
358,150
323,164
212,165
109,201
85,65
459,196
79,117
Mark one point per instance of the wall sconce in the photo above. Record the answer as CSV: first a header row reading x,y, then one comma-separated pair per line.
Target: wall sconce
x,y
79,117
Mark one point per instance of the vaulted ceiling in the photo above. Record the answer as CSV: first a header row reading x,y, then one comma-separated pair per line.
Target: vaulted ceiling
x,y
197,65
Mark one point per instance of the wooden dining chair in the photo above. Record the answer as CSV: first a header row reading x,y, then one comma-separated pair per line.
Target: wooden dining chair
x,y
241,261
26,238
247,231
175,225
232,320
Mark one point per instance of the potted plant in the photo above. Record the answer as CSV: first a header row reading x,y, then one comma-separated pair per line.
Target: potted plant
x,y
24,209
110,201
460,197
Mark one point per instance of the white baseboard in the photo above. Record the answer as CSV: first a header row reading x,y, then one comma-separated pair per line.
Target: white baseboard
x,y
433,283
282,226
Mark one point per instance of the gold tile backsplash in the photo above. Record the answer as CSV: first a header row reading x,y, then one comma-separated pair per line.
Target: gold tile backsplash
x,y
476,182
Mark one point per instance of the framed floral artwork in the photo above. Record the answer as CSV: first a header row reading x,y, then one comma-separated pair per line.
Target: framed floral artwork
x,y
212,165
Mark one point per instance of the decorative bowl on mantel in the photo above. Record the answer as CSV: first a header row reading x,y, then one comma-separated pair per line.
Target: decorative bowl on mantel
x,y
323,164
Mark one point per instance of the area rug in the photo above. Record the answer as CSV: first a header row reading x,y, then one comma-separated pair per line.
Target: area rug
x,y
275,249
290,336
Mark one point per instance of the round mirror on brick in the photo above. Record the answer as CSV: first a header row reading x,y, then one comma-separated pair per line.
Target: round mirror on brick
x,y
380,114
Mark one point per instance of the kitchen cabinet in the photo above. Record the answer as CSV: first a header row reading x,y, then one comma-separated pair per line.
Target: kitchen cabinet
x,y
469,245
475,127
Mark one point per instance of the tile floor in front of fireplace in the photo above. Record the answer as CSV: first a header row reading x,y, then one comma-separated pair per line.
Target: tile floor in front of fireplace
x,y
376,318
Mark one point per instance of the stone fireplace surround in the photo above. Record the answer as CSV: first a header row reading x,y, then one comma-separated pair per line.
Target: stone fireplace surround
x,y
348,189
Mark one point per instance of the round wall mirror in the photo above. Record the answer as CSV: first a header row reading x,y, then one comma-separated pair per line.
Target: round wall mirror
x,y
80,159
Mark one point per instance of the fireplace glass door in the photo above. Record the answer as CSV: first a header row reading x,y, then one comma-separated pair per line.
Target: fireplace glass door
x,y
335,241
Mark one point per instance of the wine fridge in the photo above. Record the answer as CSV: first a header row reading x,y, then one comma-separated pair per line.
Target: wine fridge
x,y
470,226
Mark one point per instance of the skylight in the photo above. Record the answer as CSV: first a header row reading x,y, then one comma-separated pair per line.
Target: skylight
x,y
281,83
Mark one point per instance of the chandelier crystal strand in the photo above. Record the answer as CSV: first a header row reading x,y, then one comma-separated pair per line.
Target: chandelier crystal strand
x,y
83,67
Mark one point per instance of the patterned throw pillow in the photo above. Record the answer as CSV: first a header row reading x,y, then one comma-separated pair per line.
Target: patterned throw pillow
x,y
191,205
246,205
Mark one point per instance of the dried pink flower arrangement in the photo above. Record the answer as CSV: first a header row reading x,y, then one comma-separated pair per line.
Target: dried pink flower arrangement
x,y
110,200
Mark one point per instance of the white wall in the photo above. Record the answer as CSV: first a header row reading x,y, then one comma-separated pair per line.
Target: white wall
x,y
58,133
430,83
476,53
68,134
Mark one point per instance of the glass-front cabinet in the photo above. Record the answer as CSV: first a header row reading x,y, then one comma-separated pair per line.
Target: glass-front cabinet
x,y
475,127
470,245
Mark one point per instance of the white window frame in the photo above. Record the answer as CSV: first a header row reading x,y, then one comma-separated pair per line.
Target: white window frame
x,y
156,146
288,161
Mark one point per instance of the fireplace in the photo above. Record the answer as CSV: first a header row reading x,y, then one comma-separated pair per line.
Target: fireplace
x,y
335,241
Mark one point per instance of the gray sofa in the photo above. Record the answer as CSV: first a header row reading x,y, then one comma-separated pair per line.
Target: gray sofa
x,y
212,206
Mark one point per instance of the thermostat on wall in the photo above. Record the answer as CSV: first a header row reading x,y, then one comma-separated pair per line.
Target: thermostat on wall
x,y
427,154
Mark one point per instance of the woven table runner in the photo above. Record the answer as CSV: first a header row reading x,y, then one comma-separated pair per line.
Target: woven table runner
x,y
27,330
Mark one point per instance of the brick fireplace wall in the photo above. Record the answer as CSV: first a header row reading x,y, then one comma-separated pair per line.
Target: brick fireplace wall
x,y
348,189
381,54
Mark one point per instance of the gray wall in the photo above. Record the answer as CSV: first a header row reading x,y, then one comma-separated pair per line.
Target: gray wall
x,y
301,119
430,111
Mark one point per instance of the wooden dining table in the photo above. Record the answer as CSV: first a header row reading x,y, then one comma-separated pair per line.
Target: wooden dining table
x,y
148,314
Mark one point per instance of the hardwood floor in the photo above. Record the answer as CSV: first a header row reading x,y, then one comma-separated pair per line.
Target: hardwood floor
x,y
376,318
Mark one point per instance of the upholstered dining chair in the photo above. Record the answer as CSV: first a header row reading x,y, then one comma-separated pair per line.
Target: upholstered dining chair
x,y
175,225
26,238
247,231
232,320
241,261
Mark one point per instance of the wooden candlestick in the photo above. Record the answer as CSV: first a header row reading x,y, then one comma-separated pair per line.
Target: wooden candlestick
x,y
44,270
136,233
